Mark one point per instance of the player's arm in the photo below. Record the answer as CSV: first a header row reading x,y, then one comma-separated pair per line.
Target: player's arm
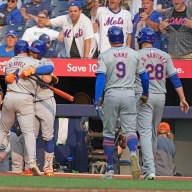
x,y
99,86
145,83
179,89
40,70
87,47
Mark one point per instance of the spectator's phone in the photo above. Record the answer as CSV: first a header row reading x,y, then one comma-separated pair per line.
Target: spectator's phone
x,y
141,10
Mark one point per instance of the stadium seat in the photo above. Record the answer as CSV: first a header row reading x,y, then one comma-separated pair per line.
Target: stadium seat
x,y
58,11
59,3
30,23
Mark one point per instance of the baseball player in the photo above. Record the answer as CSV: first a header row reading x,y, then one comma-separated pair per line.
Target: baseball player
x,y
18,101
45,107
158,65
77,31
116,73
110,16
13,76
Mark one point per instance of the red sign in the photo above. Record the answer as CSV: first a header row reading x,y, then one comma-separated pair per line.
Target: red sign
x,y
87,67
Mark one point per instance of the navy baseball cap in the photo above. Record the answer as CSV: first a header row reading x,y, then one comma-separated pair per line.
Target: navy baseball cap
x,y
12,33
75,3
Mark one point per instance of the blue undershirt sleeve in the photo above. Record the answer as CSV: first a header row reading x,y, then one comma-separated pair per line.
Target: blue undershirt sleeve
x,y
145,83
175,81
99,86
44,69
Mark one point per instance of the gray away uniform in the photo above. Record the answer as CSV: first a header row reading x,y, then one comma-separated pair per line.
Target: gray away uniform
x,y
120,64
158,65
18,103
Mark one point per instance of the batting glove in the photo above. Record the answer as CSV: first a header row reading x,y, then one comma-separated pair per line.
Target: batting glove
x,y
144,99
27,72
10,78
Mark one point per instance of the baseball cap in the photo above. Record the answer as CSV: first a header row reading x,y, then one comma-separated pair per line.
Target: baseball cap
x,y
43,12
75,3
45,38
12,33
164,127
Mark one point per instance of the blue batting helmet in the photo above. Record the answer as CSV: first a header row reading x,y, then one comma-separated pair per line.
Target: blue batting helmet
x,y
146,35
45,38
39,47
21,46
115,35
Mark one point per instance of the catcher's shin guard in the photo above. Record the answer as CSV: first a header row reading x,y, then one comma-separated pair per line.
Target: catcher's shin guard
x,y
34,167
48,164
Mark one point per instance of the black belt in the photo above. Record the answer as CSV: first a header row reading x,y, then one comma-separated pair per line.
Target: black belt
x,y
122,88
20,92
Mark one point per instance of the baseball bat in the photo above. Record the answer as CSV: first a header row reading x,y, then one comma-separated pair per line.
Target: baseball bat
x,y
55,90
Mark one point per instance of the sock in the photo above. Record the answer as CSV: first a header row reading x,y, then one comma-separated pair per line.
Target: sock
x,y
49,146
132,143
108,146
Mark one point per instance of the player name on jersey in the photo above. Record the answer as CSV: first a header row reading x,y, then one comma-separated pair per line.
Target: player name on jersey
x,y
87,67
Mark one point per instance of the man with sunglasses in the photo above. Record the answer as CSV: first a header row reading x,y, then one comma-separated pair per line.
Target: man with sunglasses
x,y
33,33
10,14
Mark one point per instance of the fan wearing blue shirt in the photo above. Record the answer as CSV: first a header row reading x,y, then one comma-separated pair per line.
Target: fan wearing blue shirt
x,y
7,50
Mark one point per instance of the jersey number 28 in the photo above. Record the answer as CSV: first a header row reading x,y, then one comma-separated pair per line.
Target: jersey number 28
x,y
155,72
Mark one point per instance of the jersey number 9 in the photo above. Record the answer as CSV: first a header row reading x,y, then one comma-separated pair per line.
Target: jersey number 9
x,y
120,66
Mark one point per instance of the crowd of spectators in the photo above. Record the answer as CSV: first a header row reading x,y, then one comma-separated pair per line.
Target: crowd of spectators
x,y
81,26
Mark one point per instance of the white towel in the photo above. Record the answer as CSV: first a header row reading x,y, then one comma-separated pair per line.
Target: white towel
x,y
63,130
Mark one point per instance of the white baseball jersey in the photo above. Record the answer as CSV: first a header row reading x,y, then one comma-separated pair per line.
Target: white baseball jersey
x,y
22,85
81,31
120,64
158,65
33,33
42,92
106,19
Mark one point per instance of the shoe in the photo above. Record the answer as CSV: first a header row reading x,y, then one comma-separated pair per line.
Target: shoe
x,y
150,176
27,172
108,175
135,167
48,171
34,168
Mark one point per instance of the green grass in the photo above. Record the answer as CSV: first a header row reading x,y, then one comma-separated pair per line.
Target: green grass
x,y
62,182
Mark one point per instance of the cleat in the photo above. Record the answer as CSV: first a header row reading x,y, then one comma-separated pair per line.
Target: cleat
x,y
150,176
48,171
108,175
34,168
135,167
27,172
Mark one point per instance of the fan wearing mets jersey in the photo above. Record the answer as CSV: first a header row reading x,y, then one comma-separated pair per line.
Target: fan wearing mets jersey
x,y
113,15
158,65
45,106
77,31
116,72
18,101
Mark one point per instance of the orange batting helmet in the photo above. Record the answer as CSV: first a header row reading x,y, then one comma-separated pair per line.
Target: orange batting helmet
x,y
163,128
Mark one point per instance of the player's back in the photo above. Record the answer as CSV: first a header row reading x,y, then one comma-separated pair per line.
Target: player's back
x,y
42,91
121,64
16,65
158,65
